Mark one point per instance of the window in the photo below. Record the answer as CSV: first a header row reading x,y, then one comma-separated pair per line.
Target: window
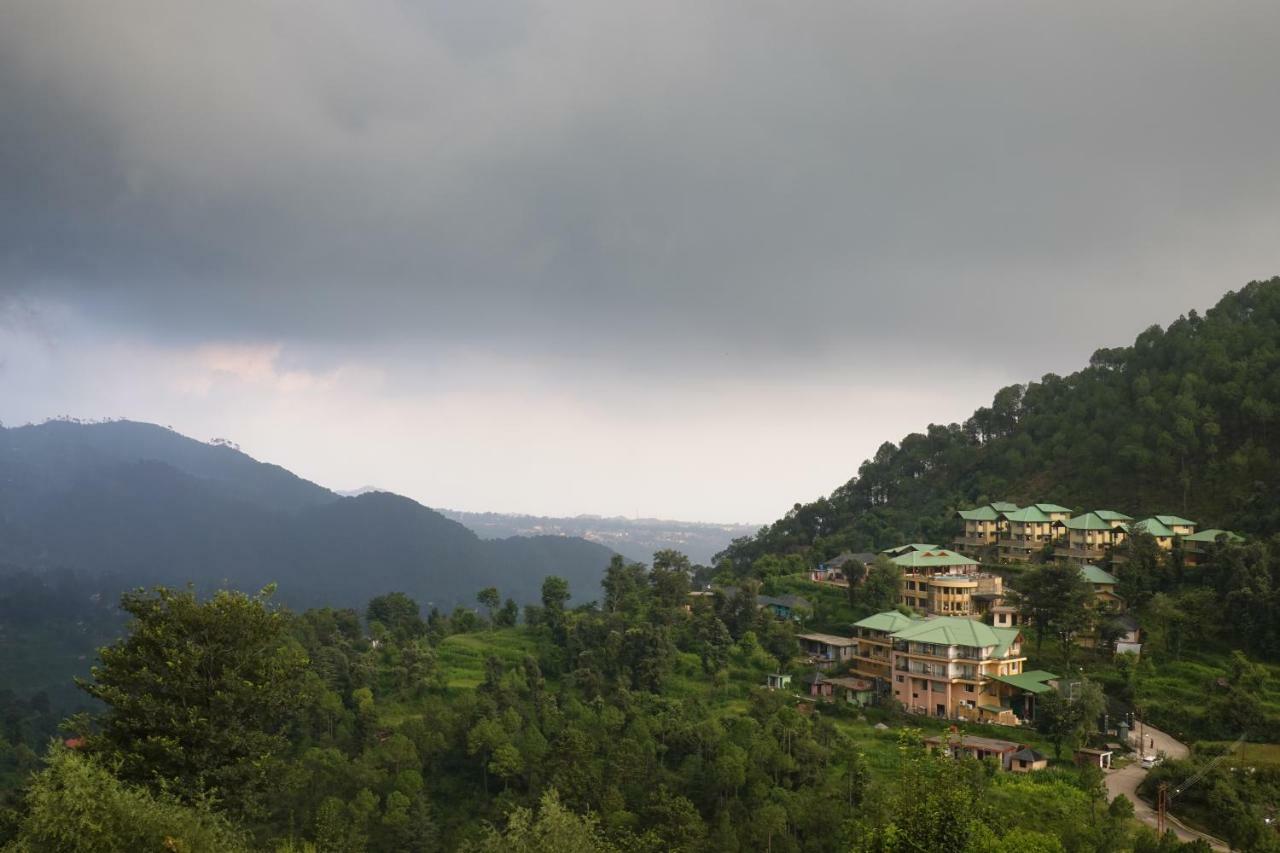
x,y
901,679
968,688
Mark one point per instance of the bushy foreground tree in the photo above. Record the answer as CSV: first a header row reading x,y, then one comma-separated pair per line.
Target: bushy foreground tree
x,y
199,695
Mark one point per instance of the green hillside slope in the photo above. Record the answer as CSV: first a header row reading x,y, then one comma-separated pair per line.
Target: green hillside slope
x,y
1186,420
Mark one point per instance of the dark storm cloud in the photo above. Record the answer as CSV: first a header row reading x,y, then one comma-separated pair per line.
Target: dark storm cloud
x,y
762,180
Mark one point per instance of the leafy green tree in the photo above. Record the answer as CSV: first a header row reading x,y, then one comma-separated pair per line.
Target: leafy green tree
x,y
555,594
76,805
489,599
508,615
398,613
553,828
199,694
1067,719
1057,601
882,586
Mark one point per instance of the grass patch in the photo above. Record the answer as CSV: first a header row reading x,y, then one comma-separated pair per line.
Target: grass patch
x,y
461,657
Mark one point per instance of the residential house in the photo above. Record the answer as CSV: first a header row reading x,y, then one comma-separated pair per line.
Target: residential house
x,y
1006,616
1028,530
1100,758
981,748
837,570
873,657
899,550
1157,529
981,526
1104,587
785,606
1027,760
946,583
792,607
1196,547
1180,526
1128,634
943,666
819,687
1020,692
854,691
826,650
1115,519
1090,537
777,680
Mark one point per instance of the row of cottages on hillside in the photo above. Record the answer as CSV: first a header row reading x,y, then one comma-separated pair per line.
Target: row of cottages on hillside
x,y
940,582
947,666
1016,533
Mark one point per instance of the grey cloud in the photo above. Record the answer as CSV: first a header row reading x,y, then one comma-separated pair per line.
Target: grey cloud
x,y
744,184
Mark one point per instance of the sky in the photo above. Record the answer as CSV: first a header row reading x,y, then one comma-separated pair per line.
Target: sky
x,y
670,259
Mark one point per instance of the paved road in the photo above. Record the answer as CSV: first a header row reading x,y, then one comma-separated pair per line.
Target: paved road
x,y
1126,780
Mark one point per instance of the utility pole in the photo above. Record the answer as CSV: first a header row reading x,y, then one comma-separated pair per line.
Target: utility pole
x,y
1162,805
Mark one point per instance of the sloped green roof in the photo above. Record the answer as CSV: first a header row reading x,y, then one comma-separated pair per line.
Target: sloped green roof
x,y
1088,521
1051,508
1093,574
982,513
1154,526
1112,515
1175,521
933,558
889,620
1212,534
957,631
1003,506
1032,681
911,546
1027,514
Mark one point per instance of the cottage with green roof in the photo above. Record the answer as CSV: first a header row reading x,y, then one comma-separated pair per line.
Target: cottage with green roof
x,y
1089,537
1157,529
873,658
981,526
1197,547
946,583
1028,530
1104,587
1179,525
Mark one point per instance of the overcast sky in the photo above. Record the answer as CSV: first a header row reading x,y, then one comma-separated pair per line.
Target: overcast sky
x,y
693,260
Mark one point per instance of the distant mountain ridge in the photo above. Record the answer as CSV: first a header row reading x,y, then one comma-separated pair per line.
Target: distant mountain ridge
x,y
142,504
634,538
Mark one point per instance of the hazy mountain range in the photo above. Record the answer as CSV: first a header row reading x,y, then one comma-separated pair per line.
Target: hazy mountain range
x,y
141,504
634,538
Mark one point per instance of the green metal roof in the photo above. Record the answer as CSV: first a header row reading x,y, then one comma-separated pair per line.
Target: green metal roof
x,y
912,546
1212,534
1175,521
1003,506
956,631
932,558
1051,508
889,620
1027,514
982,513
1154,526
1112,515
1093,574
1088,521
1032,681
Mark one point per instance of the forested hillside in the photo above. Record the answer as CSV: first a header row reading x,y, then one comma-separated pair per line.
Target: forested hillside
x,y
88,511
143,504
1186,420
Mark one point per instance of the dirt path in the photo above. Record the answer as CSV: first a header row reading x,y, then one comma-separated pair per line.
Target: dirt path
x,y
1125,781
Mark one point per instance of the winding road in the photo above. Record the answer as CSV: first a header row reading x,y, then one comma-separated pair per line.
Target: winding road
x,y
1126,780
